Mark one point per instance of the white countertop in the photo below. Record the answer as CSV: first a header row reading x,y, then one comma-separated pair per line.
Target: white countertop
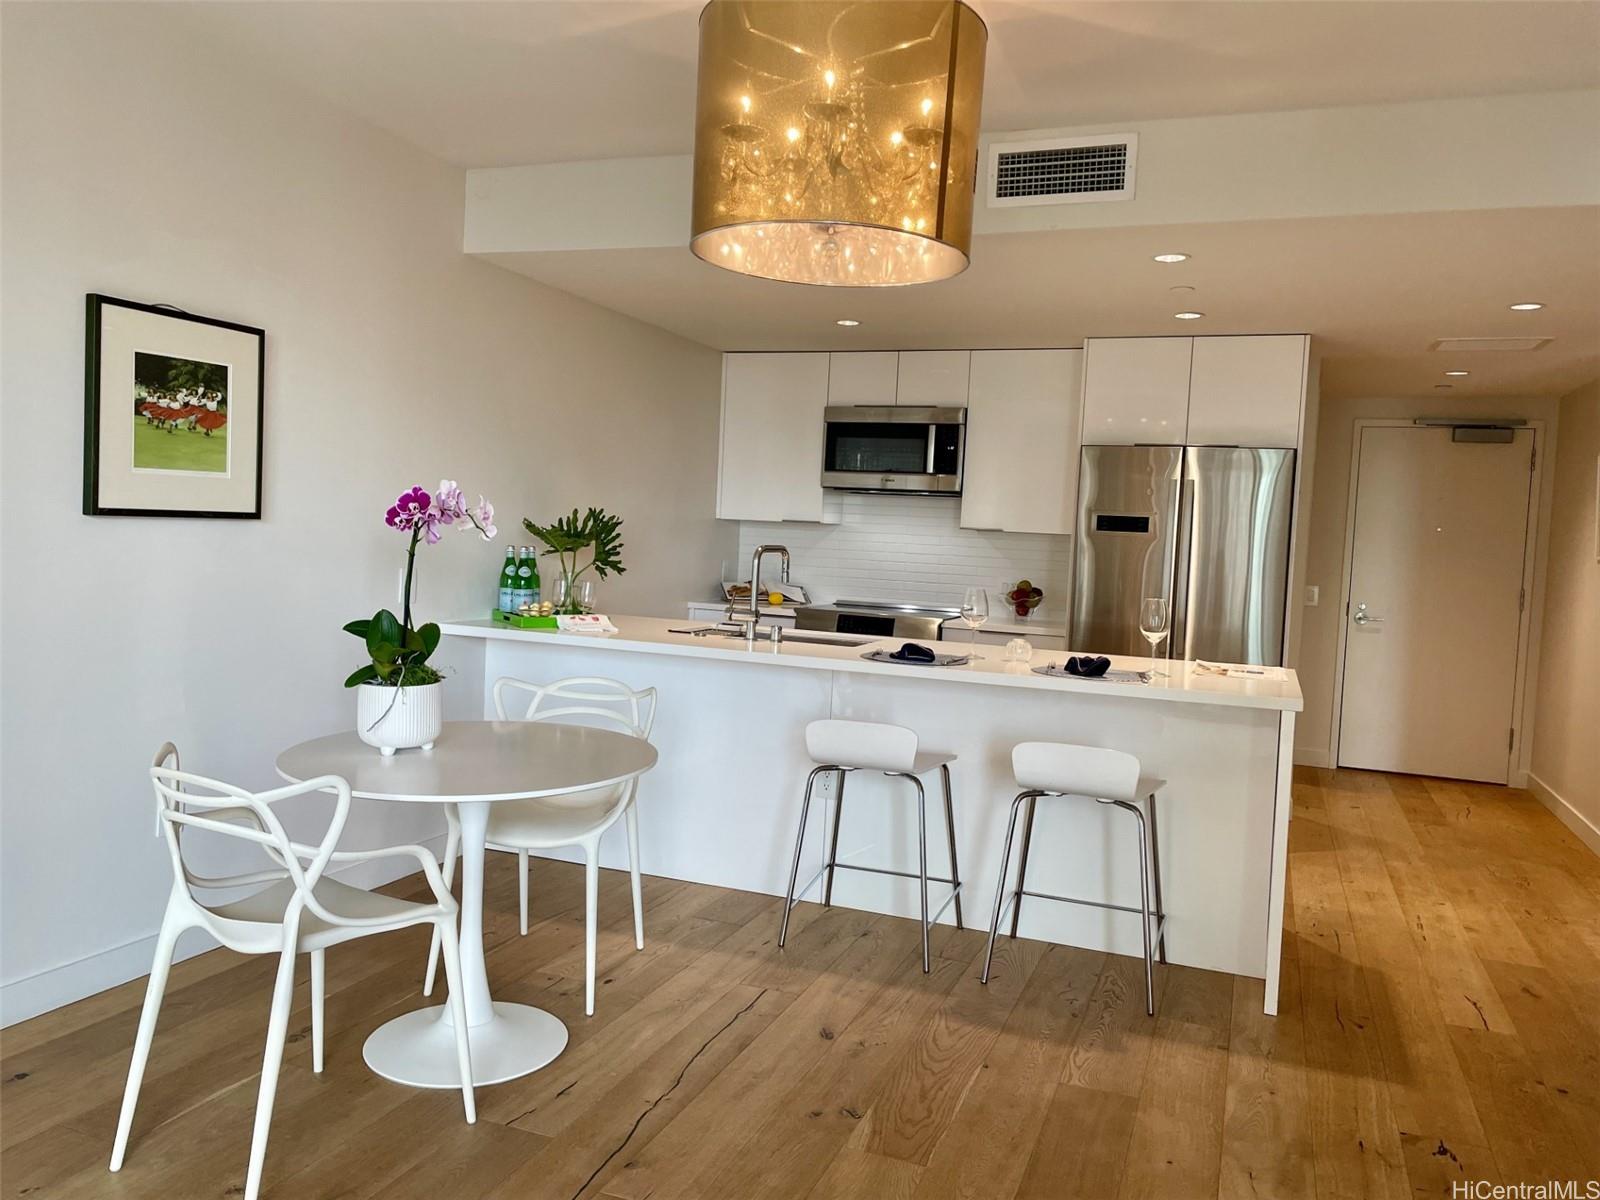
x,y
652,635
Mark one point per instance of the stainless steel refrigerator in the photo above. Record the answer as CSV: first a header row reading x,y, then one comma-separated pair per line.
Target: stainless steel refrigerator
x,y
1205,528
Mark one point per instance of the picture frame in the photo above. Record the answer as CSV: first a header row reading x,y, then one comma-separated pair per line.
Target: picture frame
x,y
174,405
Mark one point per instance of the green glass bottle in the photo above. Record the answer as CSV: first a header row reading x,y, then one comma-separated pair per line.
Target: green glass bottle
x,y
525,577
508,581
533,566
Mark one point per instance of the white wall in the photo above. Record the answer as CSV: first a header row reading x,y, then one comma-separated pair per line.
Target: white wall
x,y
913,549
1566,753
1325,566
142,163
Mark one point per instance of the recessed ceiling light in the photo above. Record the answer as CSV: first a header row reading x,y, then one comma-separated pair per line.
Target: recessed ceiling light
x,y
1170,258
1526,306
1188,316
1458,372
847,323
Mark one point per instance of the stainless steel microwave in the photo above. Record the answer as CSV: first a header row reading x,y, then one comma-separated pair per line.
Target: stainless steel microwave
x,y
894,449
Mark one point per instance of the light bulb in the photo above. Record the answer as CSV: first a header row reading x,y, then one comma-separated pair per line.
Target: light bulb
x,y
896,138
828,78
927,106
793,134
744,103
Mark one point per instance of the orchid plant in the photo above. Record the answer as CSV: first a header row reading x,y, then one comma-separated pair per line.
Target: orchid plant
x,y
399,652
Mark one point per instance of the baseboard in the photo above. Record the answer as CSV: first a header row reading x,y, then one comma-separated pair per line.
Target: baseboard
x,y
45,990
1304,757
1588,832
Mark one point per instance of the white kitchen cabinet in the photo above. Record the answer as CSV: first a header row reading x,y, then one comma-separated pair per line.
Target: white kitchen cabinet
x,y
933,378
1247,391
1136,390
1023,441
865,377
770,467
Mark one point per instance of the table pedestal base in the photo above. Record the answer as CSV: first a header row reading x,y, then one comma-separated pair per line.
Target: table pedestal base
x,y
420,1048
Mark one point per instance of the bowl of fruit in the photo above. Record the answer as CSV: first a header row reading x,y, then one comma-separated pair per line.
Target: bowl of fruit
x,y
1024,598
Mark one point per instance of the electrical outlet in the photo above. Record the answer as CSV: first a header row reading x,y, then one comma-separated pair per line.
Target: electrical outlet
x,y
1312,594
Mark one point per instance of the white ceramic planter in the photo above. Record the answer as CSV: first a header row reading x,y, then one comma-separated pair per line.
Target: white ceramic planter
x,y
399,718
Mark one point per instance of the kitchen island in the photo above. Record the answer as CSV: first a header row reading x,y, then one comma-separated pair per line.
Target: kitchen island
x,y
722,806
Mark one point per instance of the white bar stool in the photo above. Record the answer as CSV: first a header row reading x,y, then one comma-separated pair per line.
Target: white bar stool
x,y
1105,777
845,746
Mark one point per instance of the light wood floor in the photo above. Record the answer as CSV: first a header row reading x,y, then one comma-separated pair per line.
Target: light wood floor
x,y
1441,1022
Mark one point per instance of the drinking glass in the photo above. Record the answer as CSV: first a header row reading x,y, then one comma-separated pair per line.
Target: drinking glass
x,y
560,586
975,609
1153,619
583,595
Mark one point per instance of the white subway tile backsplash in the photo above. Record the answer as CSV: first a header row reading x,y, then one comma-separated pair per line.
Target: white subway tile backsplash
x,y
911,549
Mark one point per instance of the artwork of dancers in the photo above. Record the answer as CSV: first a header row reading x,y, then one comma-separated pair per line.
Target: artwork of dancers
x,y
180,413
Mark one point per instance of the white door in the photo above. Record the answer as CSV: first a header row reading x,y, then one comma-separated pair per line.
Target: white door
x,y
1434,618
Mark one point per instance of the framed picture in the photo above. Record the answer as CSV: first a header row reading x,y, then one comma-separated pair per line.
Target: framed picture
x,y
172,413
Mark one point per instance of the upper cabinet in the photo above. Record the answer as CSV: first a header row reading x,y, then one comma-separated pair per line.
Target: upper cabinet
x,y
1021,472
863,377
772,430
1136,390
1204,391
933,378
1247,391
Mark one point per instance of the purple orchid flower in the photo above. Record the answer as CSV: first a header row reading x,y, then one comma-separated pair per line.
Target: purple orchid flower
x,y
409,510
448,501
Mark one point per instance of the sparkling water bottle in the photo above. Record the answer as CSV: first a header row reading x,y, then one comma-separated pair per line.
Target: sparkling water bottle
x,y
525,577
508,581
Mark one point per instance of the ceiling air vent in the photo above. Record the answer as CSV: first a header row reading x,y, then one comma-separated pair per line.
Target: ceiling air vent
x,y
1062,170
1456,345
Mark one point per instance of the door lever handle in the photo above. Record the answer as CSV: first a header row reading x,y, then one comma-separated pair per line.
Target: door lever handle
x,y
1362,617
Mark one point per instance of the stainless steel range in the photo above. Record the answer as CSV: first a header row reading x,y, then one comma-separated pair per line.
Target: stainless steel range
x,y
875,619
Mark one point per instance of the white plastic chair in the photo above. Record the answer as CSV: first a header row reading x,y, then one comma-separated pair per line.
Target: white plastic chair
x,y
298,909
575,819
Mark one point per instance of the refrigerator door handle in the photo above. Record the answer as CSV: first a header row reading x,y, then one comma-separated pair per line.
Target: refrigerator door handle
x,y
1177,642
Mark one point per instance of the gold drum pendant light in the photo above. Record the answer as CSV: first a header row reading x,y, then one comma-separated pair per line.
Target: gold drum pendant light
x,y
836,141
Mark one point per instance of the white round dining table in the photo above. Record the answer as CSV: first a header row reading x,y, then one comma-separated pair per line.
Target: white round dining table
x,y
472,765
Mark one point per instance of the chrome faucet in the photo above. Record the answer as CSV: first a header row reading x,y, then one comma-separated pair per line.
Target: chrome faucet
x,y
755,591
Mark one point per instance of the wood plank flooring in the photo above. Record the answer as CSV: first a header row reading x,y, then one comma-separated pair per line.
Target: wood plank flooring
x,y
1440,1024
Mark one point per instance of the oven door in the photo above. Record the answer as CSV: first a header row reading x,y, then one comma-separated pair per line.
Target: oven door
x,y
900,449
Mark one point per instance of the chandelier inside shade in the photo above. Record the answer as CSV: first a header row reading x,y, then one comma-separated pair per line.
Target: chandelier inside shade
x,y
836,140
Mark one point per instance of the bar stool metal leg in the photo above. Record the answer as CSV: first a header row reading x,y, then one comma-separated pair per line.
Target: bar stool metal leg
x,y
799,841
1155,875
1022,863
833,839
950,829
922,866
1000,884
1144,906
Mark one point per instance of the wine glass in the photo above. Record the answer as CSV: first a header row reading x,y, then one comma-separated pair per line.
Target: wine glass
x,y
1153,619
975,609
583,595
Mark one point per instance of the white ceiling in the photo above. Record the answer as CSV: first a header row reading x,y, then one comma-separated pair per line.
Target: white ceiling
x,y
499,84
1377,291
487,84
